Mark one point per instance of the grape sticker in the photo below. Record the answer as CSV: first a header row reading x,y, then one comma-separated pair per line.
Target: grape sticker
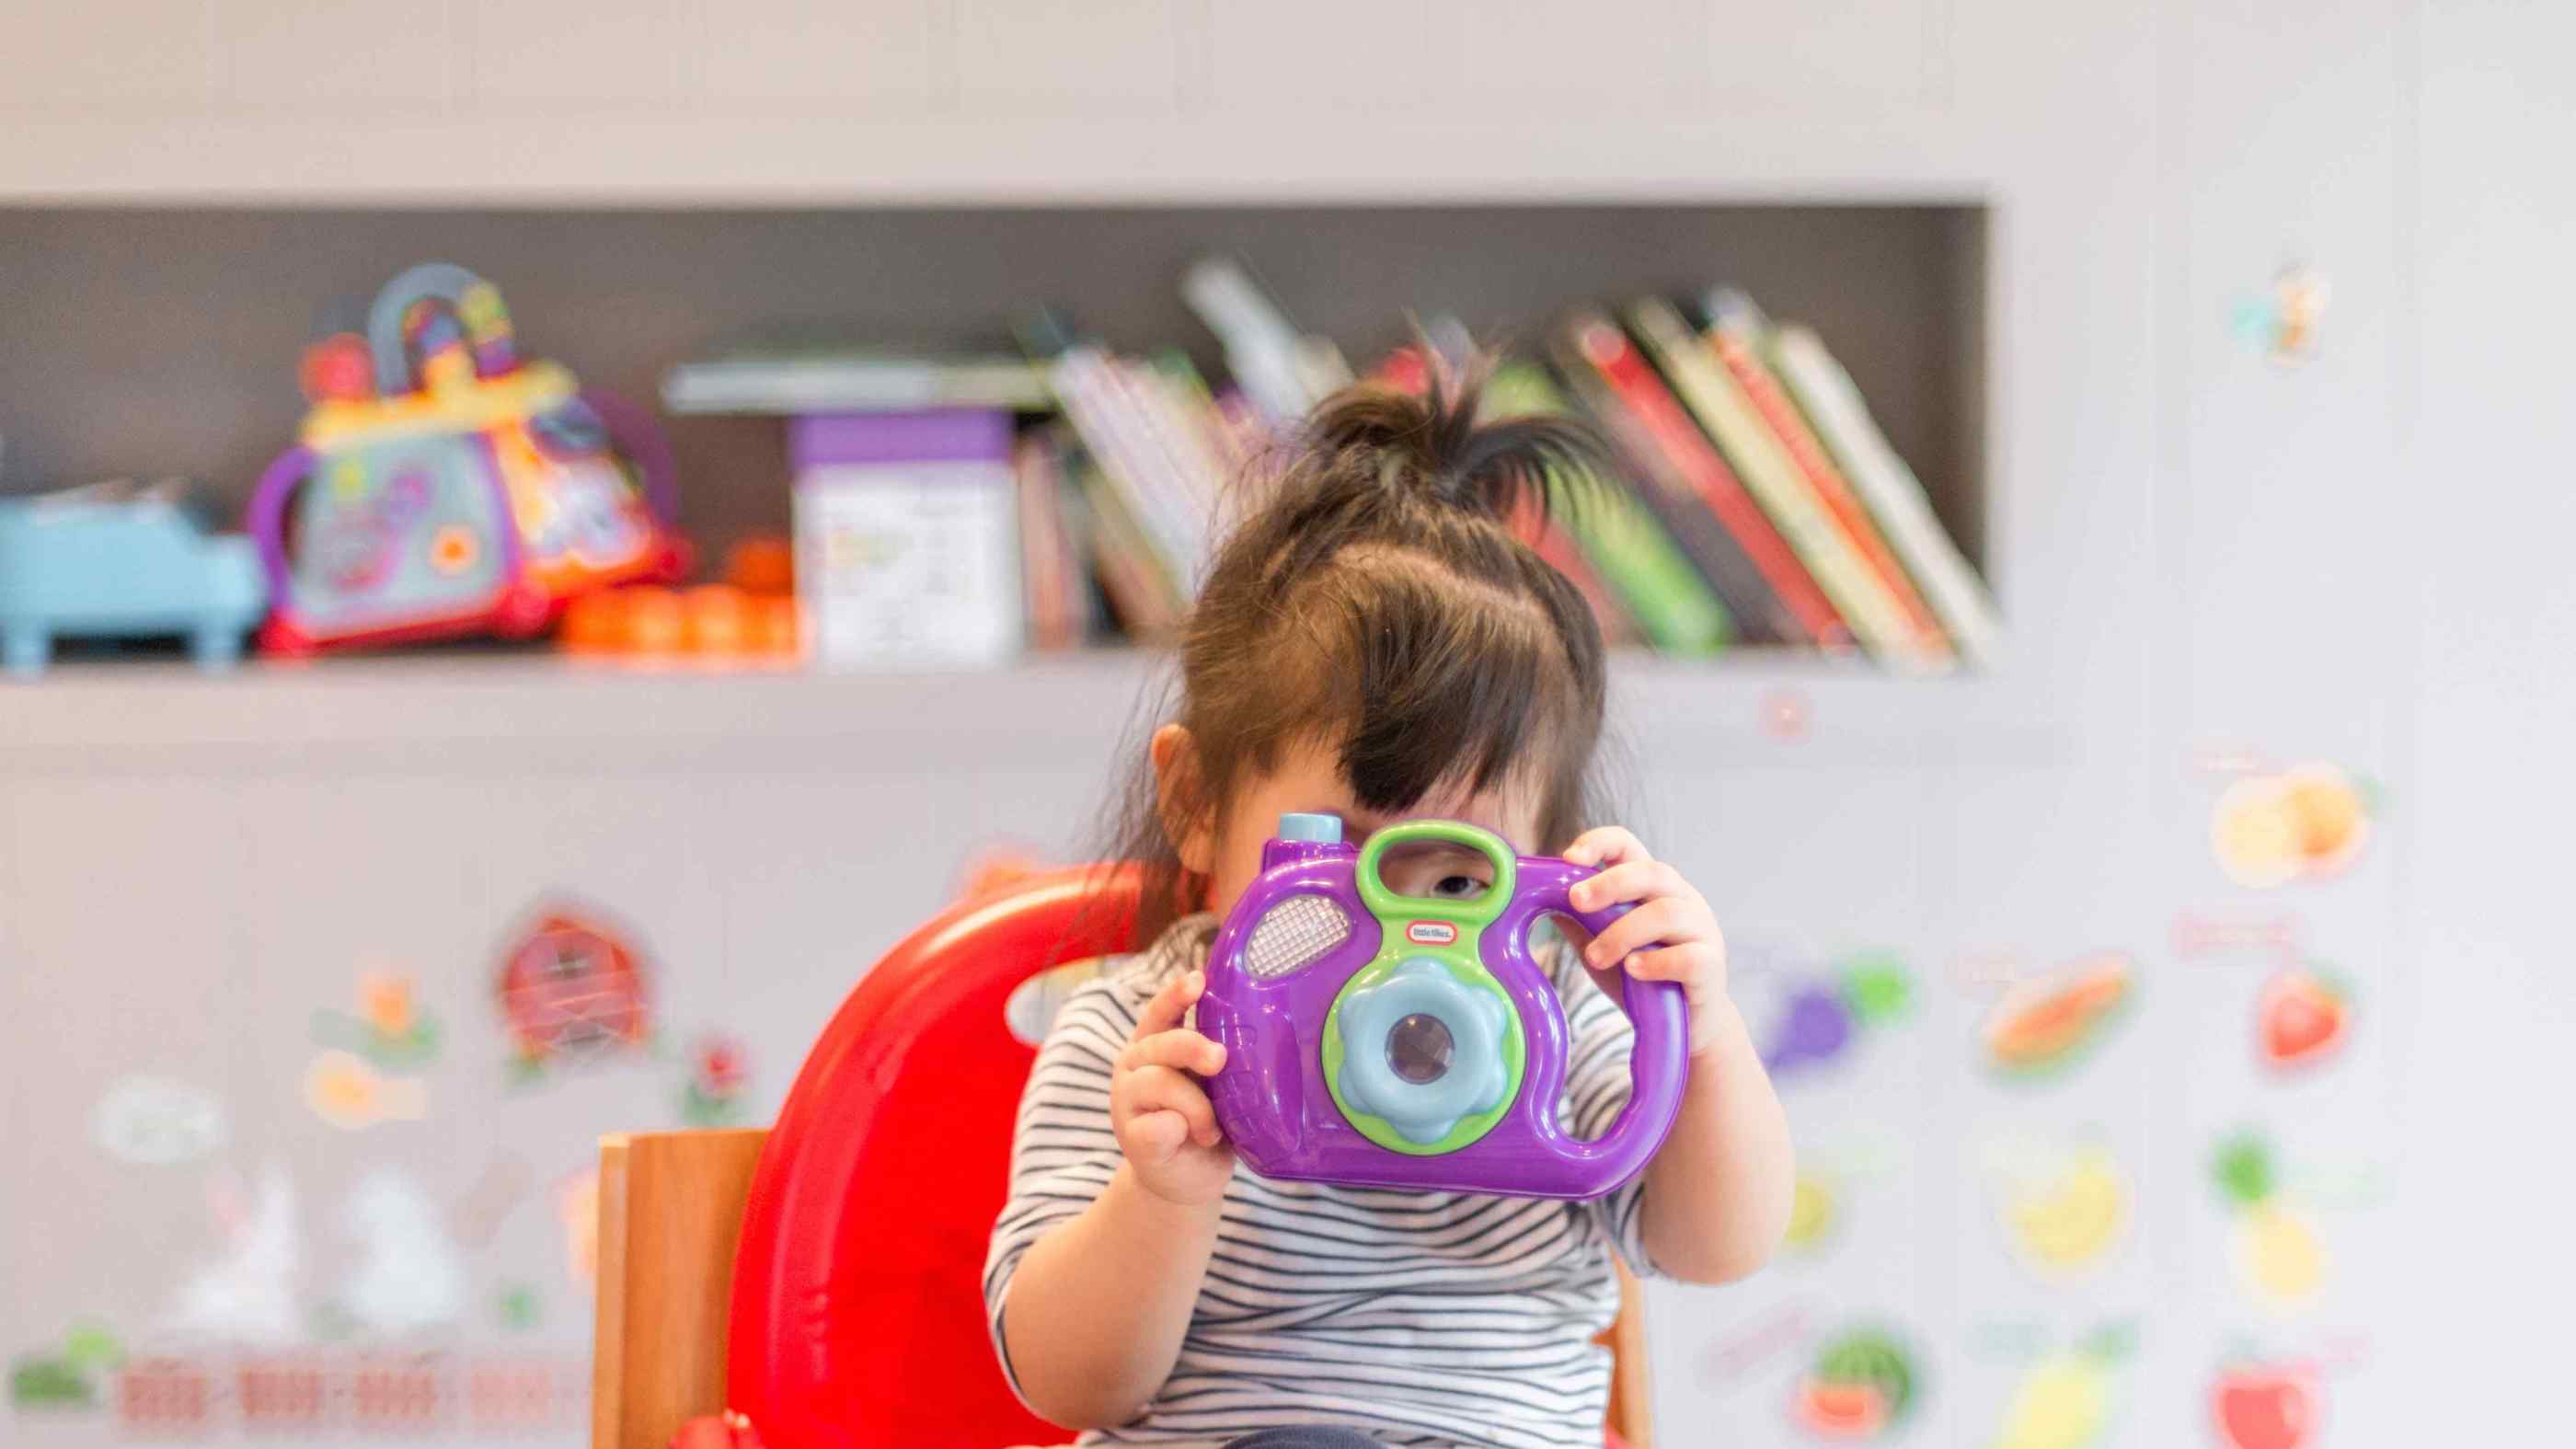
x,y
1814,1017
2309,822
1862,1385
2278,1254
2044,1025
2259,1405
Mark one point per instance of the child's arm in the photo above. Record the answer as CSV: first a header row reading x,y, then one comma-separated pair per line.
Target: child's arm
x,y
1717,1196
1096,1309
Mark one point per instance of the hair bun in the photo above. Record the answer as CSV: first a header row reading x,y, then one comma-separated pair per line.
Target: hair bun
x,y
1435,446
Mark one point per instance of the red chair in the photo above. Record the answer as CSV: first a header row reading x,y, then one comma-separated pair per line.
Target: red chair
x,y
853,1233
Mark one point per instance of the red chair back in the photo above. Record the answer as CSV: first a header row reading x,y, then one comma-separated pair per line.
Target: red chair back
x,y
858,1307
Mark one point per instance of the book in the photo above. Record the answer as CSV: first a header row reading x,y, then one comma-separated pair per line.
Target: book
x,y
1146,600
1054,587
1283,372
1737,330
1637,562
1727,417
1696,496
1825,394
789,379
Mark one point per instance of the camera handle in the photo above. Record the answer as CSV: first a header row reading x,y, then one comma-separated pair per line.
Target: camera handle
x,y
1659,1063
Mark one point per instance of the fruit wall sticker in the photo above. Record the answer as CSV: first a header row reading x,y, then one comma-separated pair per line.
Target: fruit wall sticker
x,y
2261,1405
2278,1255
2308,822
2301,1018
72,1374
1814,1210
2283,321
712,1096
156,1122
1814,1017
572,988
2045,1024
345,1091
2063,1210
2065,1400
389,1028
1862,1385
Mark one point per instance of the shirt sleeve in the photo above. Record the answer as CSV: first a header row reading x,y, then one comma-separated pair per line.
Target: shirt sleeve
x,y
1597,1087
1063,1151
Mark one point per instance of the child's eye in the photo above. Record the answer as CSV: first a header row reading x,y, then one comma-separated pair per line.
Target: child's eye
x,y
1463,886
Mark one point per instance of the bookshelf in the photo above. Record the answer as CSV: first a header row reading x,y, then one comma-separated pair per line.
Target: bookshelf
x,y
455,710
227,299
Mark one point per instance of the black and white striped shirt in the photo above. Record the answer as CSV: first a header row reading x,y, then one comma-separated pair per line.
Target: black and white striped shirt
x,y
1419,1318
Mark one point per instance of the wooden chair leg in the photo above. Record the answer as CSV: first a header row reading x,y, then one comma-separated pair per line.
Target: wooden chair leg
x,y
1632,1406
670,1213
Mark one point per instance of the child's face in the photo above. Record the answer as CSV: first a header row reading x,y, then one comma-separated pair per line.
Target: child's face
x,y
1309,781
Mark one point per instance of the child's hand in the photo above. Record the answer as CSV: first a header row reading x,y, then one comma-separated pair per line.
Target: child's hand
x,y
1671,916
1165,1123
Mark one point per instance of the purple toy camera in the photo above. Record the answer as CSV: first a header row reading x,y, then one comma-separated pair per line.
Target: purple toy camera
x,y
1382,1040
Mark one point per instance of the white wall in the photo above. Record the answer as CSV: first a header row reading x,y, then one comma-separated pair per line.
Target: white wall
x,y
2356,560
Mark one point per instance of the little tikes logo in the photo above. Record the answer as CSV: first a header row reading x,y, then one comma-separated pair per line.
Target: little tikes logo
x,y
1431,933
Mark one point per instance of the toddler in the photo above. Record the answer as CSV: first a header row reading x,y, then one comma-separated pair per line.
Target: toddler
x,y
1374,642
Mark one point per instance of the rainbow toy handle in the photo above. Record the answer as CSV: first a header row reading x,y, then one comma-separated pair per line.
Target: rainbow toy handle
x,y
1381,1040
429,291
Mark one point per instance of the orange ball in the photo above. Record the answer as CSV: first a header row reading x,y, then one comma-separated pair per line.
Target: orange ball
x,y
765,565
713,620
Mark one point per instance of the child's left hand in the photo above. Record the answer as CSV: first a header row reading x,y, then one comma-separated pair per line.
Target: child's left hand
x,y
1671,916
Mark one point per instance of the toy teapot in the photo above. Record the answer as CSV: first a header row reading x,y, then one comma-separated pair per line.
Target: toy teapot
x,y
442,486
1382,1040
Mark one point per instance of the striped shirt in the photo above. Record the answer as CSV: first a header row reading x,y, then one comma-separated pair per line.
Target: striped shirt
x,y
1419,1318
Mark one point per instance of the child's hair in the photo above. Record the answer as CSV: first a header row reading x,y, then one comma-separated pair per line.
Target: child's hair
x,y
1378,597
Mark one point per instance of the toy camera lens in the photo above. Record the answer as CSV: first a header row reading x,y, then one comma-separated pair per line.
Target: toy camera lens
x,y
1418,1048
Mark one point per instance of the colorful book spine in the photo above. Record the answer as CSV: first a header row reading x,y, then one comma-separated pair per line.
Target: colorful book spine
x,y
1736,330
1728,418
1053,571
1106,403
1638,563
1698,496
1826,395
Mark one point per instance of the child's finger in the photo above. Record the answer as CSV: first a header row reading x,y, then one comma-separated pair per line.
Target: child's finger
x,y
1673,963
1606,845
1179,1048
1171,1005
1633,880
1159,1090
1152,1138
1665,922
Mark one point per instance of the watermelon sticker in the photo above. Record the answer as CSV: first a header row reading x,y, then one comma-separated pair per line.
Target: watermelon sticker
x,y
1862,1385
2044,1025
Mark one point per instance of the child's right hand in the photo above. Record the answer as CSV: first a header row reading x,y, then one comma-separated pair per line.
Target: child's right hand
x,y
1166,1126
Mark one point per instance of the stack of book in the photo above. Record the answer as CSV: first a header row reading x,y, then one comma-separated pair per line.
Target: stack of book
x,y
1755,502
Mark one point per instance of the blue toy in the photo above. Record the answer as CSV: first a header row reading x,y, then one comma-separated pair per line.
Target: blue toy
x,y
116,562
